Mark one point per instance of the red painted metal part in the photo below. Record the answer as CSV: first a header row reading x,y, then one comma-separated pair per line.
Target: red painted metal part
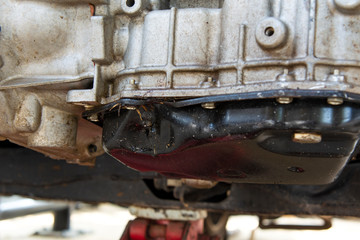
x,y
145,229
138,229
217,160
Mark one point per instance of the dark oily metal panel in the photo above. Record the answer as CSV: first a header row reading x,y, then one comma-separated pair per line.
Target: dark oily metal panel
x,y
248,141
27,173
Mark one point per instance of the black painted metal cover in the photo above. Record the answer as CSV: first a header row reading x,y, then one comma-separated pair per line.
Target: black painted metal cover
x,y
244,141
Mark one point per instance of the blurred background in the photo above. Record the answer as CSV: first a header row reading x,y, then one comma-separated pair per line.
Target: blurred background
x,y
107,221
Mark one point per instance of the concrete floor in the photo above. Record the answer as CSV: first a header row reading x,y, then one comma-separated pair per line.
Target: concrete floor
x,y
108,221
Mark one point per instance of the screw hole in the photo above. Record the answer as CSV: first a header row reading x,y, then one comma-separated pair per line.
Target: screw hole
x,y
269,31
130,3
92,148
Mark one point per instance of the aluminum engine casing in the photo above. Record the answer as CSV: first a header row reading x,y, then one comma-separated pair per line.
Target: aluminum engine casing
x,y
243,46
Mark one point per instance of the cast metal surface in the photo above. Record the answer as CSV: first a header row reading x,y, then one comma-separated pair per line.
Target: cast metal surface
x,y
231,46
116,50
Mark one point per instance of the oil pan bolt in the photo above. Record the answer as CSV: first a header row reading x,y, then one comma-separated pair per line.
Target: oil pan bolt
x,y
89,107
307,138
335,101
131,86
209,105
94,118
284,100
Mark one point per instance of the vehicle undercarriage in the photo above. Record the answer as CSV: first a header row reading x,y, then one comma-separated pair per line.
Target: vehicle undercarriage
x,y
183,110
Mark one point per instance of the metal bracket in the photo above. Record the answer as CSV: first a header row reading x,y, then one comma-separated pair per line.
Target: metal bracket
x,y
270,223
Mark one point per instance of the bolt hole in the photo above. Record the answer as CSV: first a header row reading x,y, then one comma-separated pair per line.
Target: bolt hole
x,y
92,148
130,3
269,31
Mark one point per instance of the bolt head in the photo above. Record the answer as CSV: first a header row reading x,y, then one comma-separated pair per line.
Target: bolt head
x,y
309,138
132,108
284,100
94,118
209,105
335,101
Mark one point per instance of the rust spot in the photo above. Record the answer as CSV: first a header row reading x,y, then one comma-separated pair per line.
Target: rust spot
x,y
120,194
